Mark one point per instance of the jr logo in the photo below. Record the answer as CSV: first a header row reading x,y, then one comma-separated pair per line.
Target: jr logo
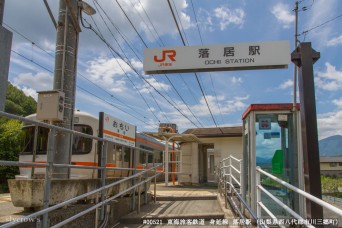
x,y
169,53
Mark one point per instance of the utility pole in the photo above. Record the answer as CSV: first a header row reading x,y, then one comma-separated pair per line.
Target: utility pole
x,y
68,30
5,56
295,67
65,78
295,157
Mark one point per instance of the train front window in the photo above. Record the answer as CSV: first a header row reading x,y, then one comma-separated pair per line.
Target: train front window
x,y
82,145
42,140
28,139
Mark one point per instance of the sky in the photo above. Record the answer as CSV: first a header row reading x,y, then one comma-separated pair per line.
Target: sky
x,y
105,83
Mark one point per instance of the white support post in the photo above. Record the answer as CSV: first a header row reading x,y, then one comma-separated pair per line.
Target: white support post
x,y
167,163
230,175
258,195
241,182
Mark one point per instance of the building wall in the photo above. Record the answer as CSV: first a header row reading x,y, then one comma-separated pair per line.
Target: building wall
x,y
330,169
223,146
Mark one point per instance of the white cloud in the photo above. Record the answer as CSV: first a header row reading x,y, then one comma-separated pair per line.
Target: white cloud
x,y
329,124
108,73
136,64
321,11
158,12
286,84
156,84
236,80
283,14
227,16
30,92
330,79
39,82
201,109
220,18
335,41
28,83
338,102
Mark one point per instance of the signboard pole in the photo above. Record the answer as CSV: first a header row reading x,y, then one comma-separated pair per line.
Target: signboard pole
x,y
99,149
304,57
166,162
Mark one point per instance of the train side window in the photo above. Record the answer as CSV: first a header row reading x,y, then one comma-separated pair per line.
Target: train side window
x,y
118,153
82,145
150,158
127,154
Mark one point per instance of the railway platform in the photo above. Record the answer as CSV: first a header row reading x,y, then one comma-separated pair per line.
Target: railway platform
x,y
194,206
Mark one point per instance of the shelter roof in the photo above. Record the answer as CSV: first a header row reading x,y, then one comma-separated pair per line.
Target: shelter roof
x,y
216,132
175,137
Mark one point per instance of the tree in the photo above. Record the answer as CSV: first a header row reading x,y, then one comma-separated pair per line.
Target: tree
x,y
10,144
18,103
11,135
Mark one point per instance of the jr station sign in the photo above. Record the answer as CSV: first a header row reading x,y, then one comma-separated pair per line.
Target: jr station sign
x,y
220,57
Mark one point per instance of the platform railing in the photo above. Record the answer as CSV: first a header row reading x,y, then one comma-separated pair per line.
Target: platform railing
x,y
261,206
230,188
50,165
231,167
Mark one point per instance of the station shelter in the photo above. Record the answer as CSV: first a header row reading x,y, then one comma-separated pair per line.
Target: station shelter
x,y
199,159
271,142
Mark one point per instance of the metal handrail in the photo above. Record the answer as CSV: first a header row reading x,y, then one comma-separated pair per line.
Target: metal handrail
x,y
52,208
284,206
221,175
236,159
303,193
103,202
233,178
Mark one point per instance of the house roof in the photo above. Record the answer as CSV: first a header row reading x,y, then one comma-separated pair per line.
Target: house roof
x,y
330,159
216,132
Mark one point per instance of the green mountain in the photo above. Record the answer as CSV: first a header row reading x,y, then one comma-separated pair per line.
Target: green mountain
x,y
331,146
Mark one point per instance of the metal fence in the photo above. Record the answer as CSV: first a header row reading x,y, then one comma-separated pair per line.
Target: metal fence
x,y
104,199
335,200
229,174
261,205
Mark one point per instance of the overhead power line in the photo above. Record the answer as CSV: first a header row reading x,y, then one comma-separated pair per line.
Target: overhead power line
x,y
125,73
133,68
211,78
201,88
142,40
320,25
51,71
163,44
78,73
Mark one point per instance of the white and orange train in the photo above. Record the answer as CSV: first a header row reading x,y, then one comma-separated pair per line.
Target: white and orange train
x,y
84,151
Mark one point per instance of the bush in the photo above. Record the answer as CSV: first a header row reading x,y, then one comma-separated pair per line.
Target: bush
x,y
10,144
330,185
